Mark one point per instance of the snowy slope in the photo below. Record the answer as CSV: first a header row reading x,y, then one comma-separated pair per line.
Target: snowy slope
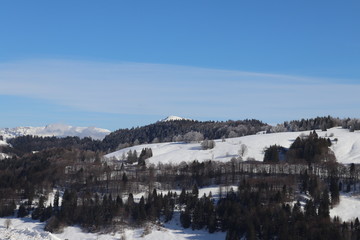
x,y
348,208
26,229
58,130
346,149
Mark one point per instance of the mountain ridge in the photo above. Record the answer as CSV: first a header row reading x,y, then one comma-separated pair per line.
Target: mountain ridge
x,y
174,118
57,130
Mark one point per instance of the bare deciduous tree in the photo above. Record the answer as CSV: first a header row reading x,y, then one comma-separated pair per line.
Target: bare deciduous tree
x,y
193,137
242,151
7,223
207,144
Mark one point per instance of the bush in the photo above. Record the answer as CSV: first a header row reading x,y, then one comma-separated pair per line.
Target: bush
x,y
53,225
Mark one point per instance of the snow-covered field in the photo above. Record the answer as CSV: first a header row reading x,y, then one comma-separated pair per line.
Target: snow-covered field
x,y
346,149
23,229
348,208
26,229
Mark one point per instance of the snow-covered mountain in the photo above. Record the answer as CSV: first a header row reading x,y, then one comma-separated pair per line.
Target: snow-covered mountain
x,y
57,130
173,118
346,146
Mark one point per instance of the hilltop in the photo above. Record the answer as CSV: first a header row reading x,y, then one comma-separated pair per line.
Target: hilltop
x,y
346,146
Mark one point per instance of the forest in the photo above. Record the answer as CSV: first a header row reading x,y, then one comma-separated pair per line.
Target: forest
x,y
257,200
183,130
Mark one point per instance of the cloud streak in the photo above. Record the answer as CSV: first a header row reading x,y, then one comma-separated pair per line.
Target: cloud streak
x,y
160,89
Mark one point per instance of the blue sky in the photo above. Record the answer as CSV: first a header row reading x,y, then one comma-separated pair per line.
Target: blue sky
x,y
118,64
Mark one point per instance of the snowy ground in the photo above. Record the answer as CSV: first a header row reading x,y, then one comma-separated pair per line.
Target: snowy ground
x,y
346,149
170,231
23,229
348,208
26,229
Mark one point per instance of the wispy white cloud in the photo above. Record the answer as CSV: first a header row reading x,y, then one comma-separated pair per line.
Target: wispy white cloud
x,y
159,89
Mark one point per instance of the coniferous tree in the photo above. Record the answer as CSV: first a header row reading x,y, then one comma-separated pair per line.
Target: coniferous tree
x,y
142,211
22,212
185,218
46,214
195,191
56,202
182,197
334,191
39,211
324,207
198,216
272,154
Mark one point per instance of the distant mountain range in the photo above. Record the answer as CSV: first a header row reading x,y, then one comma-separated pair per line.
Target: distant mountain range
x,y
57,130
63,130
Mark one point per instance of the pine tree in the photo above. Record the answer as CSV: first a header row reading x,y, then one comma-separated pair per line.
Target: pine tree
x,y
334,191
324,207
56,202
22,212
142,211
46,214
38,212
119,201
182,197
310,209
124,178
185,218
195,191
198,216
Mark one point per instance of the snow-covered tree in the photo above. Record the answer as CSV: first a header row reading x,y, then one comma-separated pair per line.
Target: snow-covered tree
x,y
207,144
242,150
193,136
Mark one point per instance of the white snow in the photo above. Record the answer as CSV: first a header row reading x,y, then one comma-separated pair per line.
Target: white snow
x,y
51,197
3,156
27,229
346,149
168,231
57,130
348,208
214,190
24,229
173,118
